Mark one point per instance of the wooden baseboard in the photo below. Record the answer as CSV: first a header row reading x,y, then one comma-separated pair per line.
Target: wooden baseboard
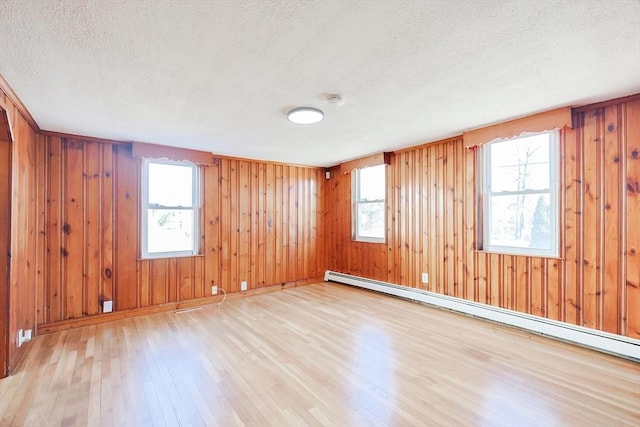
x,y
135,312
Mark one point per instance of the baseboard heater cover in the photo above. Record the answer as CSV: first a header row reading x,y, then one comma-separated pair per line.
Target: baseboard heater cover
x,y
602,341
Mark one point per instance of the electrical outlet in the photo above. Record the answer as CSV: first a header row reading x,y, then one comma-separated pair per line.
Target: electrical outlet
x,y
425,277
214,290
23,337
107,306
243,286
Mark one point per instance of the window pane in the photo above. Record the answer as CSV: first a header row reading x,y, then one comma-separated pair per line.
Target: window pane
x,y
170,230
518,165
371,220
372,183
520,221
170,185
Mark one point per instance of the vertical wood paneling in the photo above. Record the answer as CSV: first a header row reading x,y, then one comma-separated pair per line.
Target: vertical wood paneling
x,y
107,219
41,204
233,285
573,187
244,227
159,275
260,224
226,233
5,248
212,248
611,246
144,283
469,215
92,224
553,289
432,208
538,288
270,221
73,229
25,230
632,312
292,262
126,228
185,273
591,232
199,284
53,308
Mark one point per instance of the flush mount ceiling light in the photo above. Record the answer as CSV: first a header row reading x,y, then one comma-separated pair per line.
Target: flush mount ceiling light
x,y
305,115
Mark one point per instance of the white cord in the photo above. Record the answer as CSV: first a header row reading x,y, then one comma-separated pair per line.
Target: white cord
x,y
224,297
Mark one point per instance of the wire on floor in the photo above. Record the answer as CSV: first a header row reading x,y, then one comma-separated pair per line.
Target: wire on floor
x,y
223,298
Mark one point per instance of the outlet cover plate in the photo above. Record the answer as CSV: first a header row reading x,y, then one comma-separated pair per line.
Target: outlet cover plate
x,y
214,290
107,306
243,286
425,277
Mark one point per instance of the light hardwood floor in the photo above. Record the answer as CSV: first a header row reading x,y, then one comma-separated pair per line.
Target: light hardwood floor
x,y
322,354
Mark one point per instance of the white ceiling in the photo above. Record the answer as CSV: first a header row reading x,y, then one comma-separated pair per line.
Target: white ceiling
x,y
220,75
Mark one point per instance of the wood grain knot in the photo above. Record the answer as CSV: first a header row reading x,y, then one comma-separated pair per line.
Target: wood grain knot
x,y
107,273
611,127
66,228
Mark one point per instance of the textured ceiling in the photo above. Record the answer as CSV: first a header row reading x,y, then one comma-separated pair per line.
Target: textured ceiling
x,y
220,75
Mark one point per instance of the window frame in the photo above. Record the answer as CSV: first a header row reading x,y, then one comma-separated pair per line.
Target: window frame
x,y
356,202
195,207
554,139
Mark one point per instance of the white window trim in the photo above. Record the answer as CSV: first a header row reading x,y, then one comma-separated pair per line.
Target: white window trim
x,y
554,166
355,191
145,207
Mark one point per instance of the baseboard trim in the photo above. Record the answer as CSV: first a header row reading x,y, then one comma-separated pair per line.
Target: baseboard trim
x,y
617,345
173,306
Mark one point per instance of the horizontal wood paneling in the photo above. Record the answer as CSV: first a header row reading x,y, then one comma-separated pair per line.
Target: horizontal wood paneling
x,y
431,206
261,223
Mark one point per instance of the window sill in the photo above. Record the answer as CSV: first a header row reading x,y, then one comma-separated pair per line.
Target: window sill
x,y
380,242
170,257
481,251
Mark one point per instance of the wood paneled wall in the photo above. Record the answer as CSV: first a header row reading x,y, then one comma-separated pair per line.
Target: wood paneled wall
x,y
261,223
431,215
23,265
5,245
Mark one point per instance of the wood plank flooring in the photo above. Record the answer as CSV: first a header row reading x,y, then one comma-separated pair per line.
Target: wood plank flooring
x,y
323,354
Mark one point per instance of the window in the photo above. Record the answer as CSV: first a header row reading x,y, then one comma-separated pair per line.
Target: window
x,y
369,188
520,202
169,209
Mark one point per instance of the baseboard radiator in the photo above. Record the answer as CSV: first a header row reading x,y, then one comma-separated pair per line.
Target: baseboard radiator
x,y
602,341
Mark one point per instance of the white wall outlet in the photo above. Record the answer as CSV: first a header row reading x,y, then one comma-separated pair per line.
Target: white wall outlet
x,y
107,306
214,290
23,337
243,285
425,277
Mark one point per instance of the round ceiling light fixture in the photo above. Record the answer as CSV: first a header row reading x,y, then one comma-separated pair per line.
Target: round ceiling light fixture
x,y
305,115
